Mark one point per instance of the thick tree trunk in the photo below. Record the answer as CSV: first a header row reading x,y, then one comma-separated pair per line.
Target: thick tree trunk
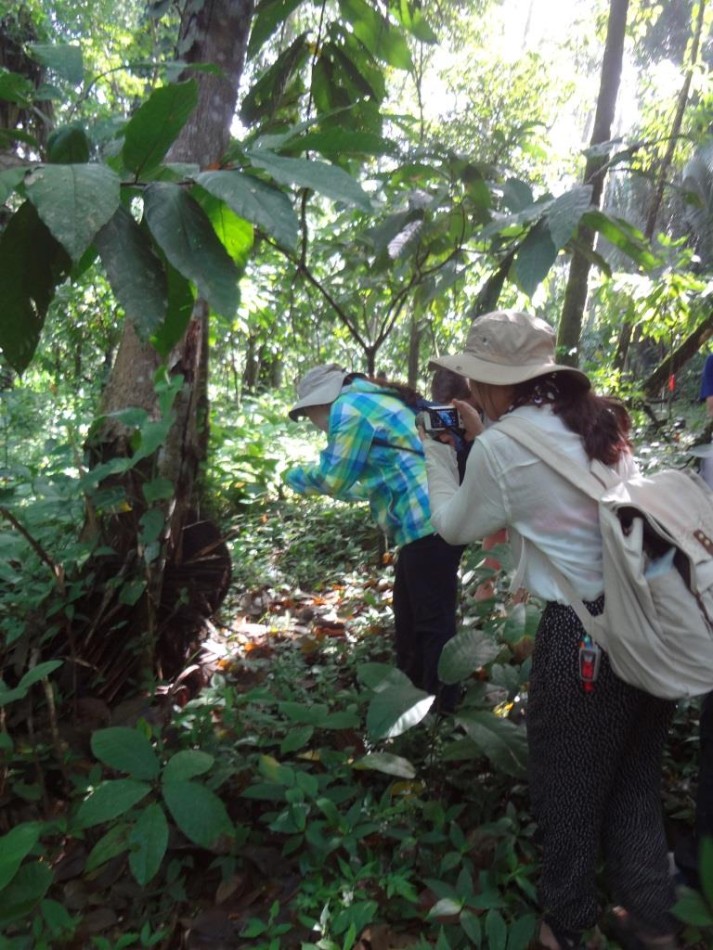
x,y
213,32
575,298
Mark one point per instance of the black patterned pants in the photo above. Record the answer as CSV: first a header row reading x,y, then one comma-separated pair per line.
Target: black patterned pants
x,y
595,778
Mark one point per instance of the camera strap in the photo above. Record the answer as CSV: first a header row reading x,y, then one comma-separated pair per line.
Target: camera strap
x,y
382,443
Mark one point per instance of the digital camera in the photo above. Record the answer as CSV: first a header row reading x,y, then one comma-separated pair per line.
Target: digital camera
x,y
441,419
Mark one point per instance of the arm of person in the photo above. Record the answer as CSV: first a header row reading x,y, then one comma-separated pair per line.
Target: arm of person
x,y
465,512
709,405
342,462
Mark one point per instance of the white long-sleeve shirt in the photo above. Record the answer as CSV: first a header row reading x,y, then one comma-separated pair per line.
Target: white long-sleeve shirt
x,y
505,485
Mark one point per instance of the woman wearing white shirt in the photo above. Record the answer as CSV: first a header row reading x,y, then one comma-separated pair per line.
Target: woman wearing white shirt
x,y
595,748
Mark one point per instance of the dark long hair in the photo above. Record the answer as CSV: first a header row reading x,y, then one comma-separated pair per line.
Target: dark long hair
x,y
602,422
407,394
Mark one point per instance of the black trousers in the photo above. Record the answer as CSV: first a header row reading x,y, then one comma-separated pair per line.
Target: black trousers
x,y
425,599
595,780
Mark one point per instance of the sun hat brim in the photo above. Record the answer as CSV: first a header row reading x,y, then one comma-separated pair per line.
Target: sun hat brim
x,y
322,395
501,374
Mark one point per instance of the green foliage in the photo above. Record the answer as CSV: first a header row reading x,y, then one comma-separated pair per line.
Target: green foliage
x,y
31,263
195,808
307,758
695,908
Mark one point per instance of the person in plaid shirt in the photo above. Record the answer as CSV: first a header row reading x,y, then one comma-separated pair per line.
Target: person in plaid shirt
x,y
374,454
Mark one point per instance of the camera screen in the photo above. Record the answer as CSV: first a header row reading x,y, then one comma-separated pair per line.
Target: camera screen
x,y
444,417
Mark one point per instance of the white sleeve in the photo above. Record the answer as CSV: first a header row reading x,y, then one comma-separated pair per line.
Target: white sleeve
x,y
467,512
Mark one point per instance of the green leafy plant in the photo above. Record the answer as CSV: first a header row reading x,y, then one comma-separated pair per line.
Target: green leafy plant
x,y
162,789
695,907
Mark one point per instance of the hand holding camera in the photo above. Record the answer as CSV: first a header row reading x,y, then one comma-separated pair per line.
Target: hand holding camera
x,y
438,420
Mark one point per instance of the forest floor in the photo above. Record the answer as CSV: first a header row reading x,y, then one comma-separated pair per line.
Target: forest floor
x,y
352,824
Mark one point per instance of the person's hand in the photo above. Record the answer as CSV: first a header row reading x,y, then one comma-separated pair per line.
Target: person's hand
x,y
445,437
472,423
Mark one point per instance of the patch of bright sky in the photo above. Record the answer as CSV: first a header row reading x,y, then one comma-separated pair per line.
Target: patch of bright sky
x,y
516,27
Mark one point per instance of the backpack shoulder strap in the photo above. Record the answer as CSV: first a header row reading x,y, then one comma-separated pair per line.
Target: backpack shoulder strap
x,y
589,481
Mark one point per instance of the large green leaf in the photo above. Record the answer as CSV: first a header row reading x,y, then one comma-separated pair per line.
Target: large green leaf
x,y
14,848
34,675
233,231
25,891
387,763
9,136
465,653
135,272
111,799
521,932
181,300
692,908
517,195
15,88
622,235
514,224
32,263
352,75
185,235
348,84
109,845
312,714
496,930
396,709
565,213
126,750
534,259
255,201
275,87
319,176
410,15
148,841
199,813
74,201
68,145
378,676
268,16
63,59
9,180
522,622
503,742
383,39
155,126
186,765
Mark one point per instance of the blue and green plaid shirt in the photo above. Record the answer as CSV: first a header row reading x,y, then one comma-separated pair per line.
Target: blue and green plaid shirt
x,y
373,453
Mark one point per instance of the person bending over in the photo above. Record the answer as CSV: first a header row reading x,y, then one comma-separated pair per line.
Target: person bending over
x,y
373,453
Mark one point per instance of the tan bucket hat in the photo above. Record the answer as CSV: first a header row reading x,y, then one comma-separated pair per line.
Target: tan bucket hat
x,y
507,347
320,386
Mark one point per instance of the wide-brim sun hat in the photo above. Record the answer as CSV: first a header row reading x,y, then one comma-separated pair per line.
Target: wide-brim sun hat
x,y
506,347
320,386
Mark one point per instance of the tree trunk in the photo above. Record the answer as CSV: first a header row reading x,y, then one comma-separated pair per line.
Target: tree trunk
x,y
594,173
627,330
213,31
678,358
414,348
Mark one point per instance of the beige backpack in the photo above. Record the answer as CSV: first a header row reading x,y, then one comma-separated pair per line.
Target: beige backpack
x,y
657,534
